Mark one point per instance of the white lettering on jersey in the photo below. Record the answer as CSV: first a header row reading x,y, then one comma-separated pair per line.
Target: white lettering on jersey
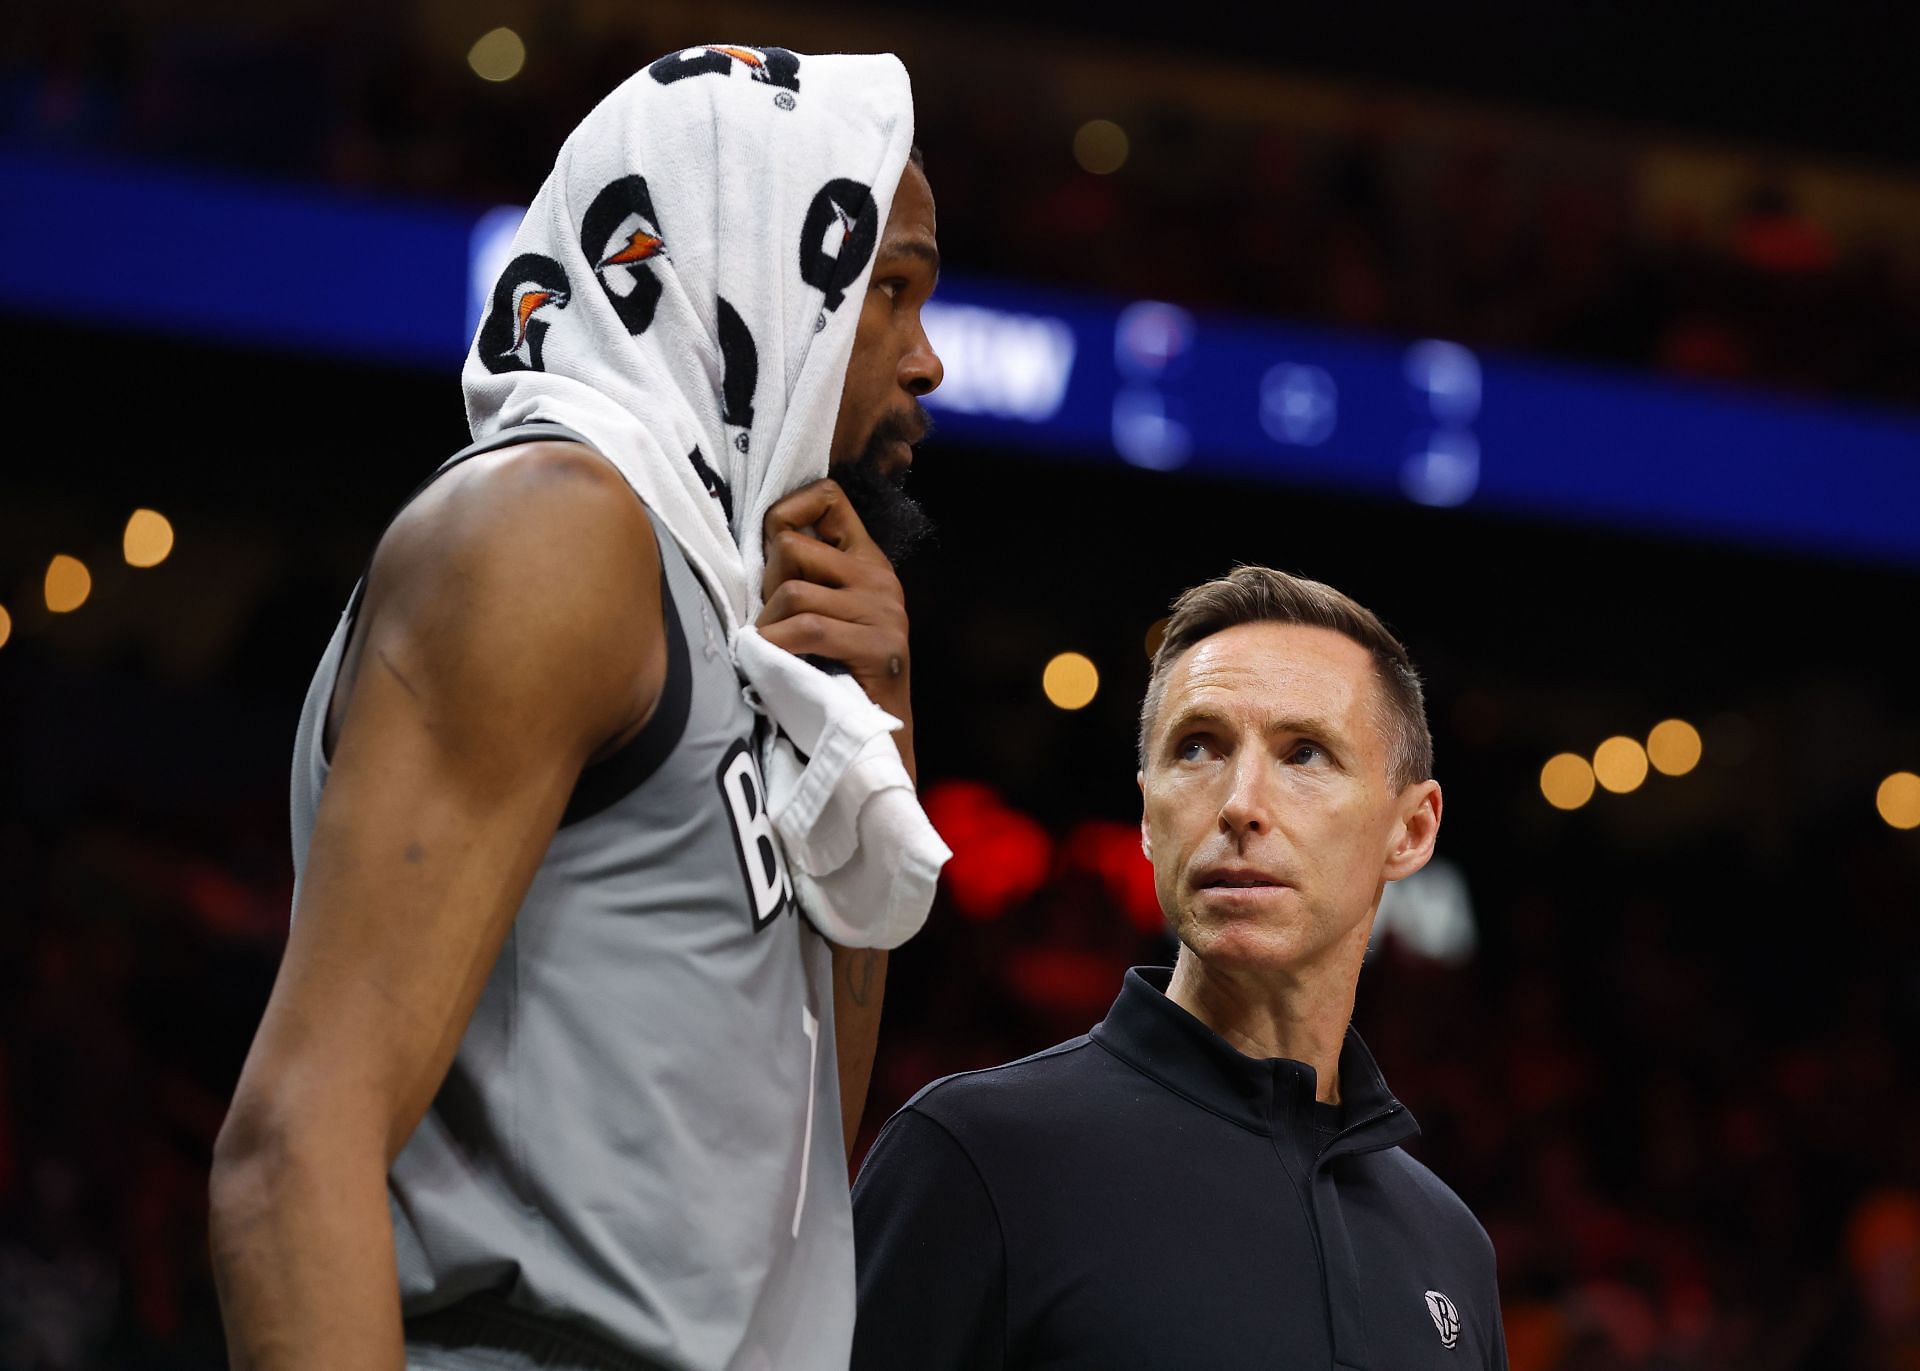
x,y
769,887
810,1025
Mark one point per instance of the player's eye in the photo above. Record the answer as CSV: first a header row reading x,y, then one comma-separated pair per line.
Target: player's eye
x,y
891,286
1307,754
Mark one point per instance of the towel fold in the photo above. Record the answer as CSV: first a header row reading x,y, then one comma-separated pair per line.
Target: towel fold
x,y
683,293
838,793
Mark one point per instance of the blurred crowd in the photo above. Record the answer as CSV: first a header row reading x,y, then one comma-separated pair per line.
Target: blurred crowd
x,y
1692,1152
1376,213
1671,1083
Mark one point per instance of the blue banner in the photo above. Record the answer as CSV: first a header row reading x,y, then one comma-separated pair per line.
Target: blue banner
x,y
1144,382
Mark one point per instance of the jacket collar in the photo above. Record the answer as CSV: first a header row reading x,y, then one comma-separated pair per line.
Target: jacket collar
x,y
1158,1038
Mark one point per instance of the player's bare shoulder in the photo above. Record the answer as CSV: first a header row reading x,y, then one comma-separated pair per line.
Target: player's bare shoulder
x,y
528,502
528,577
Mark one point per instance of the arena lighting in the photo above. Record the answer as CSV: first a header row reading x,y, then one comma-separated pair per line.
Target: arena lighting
x,y
1443,469
1620,764
498,55
68,584
1431,913
1898,800
6,626
1100,147
1674,747
1567,781
1000,364
1156,635
1000,855
1111,851
148,539
1071,681
1242,399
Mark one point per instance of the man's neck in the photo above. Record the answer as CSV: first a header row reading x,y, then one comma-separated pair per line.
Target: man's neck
x,y
1302,1017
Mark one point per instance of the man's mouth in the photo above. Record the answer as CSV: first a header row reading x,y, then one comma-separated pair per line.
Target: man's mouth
x,y
1237,878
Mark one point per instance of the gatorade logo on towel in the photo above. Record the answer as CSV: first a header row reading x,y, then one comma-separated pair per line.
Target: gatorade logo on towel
x,y
838,237
769,66
620,235
511,337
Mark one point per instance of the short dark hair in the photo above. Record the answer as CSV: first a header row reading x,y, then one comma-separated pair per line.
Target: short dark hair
x,y
913,156
1257,594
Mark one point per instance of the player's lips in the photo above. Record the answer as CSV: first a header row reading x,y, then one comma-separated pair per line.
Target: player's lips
x,y
899,457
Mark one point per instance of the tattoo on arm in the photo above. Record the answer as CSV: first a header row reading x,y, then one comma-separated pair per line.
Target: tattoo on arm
x,y
858,973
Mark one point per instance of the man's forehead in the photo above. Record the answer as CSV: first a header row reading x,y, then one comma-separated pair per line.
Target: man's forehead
x,y
1284,666
912,215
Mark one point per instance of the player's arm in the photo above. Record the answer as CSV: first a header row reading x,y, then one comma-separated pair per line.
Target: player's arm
x,y
511,632
832,593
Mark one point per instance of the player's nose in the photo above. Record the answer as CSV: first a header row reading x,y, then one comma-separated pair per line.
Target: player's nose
x,y
921,370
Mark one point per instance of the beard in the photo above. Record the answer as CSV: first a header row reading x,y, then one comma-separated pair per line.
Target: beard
x,y
894,519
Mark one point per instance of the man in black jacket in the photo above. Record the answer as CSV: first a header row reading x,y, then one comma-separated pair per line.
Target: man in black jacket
x,y
1212,1177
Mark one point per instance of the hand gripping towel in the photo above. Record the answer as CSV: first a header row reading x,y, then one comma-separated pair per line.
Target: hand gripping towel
x,y
683,293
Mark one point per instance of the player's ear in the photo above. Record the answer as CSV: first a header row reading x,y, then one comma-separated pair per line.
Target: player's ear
x,y
1146,838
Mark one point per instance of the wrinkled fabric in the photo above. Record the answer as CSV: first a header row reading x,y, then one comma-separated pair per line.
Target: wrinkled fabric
x,y
849,796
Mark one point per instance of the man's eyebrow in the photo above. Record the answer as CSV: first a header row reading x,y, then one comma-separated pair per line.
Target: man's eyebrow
x,y
1188,715
1305,725
913,247
1187,719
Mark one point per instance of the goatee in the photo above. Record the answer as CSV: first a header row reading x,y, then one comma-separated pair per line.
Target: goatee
x,y
894,519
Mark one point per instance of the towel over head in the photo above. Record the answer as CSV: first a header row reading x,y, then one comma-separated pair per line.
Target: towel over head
x,y
683,293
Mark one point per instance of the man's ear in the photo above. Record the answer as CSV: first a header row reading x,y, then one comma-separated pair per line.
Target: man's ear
x,y
1415,832
1146,838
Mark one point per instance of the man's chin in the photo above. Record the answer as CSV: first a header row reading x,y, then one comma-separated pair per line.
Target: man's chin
x,y
1272,940
893,519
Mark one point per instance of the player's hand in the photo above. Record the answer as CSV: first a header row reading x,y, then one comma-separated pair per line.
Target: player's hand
x,y
832,593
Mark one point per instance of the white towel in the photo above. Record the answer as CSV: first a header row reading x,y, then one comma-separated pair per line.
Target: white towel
x,y
683,293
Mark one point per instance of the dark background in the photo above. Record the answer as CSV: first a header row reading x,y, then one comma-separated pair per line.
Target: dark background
x,y
1675,1077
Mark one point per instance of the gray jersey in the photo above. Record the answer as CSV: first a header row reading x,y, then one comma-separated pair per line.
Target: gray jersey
x,y
636,1158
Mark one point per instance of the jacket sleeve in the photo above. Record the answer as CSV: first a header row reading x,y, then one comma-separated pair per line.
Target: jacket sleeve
x,y
930,1259
1497,1351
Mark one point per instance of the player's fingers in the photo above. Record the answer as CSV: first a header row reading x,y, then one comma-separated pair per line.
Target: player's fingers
x,y
817,635
803,508
840,524
824,508
795,556
793,598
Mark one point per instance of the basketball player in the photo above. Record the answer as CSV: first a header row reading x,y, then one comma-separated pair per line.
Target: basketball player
x,y
532,1088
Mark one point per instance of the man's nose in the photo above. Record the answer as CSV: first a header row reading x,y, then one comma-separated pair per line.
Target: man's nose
x,y
1248,805
921,371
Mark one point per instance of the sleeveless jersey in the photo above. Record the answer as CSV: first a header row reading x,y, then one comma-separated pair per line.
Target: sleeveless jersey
x,y
636,1159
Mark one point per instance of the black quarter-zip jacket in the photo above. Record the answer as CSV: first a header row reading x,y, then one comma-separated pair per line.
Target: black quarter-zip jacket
x,y
1146,1196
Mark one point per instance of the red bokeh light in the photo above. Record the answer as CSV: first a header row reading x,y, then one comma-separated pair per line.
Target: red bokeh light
x,y
1000,856
1112,852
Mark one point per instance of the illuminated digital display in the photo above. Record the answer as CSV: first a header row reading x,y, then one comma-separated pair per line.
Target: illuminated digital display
x,y
1143,382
